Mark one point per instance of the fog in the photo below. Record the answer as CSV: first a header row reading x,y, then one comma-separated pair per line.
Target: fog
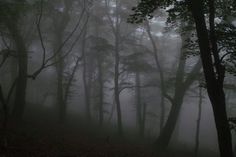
x,y
79,78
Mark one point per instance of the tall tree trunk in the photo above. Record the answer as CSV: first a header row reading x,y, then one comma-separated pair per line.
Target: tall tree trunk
x,y
143,123
5,109
139,116
60,24
60,91
86,82
116,70
21,84
100,61
60,70
116,90
70,81
161,74
196,149
214,80
101,91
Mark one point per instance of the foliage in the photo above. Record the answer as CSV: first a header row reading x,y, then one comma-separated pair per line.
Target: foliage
x,y
178,11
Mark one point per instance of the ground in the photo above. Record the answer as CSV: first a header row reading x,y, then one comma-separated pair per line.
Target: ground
x,y
45,139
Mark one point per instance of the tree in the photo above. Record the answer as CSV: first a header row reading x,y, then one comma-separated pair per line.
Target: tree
x,y
60,25
214,70
136,63
182,82
100,52
161,74
214,79
196,149
116,30
11,16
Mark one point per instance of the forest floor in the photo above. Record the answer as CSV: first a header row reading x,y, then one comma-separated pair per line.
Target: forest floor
x,y
44,139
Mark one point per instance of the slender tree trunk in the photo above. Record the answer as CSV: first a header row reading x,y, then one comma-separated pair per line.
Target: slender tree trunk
x,y
86,82
60,70
60,90
139,108
161,74
198,123
5,109
86,90
69,83
143,123
116,70
21,85
60,24
116,90
100,61
214,80
101,91
3,134
87,79
162,113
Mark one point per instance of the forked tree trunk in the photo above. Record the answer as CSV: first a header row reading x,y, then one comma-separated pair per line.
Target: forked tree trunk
x,y
180,89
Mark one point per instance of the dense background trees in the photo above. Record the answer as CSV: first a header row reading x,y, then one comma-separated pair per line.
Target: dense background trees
x,y
79,65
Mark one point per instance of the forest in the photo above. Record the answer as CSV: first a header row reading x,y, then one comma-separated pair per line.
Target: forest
x,y
117,78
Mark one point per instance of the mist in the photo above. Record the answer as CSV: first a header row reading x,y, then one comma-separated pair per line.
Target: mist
x,y
117,78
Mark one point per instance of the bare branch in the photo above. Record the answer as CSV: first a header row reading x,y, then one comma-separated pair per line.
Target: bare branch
x,y
72,46
68,37
226,54
10,92
131,87
46,61
109,18
40,33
